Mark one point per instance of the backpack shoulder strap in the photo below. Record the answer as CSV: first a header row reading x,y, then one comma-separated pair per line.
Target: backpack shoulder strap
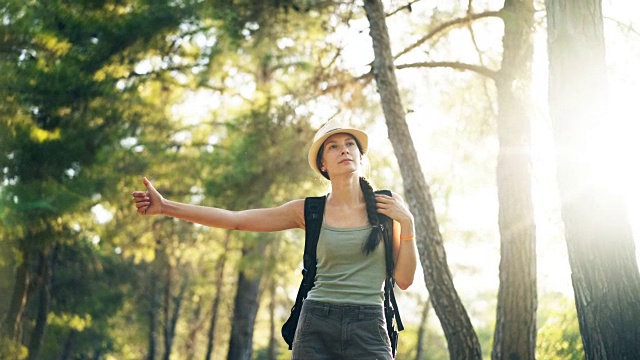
x,y
389,296
313,214
388,237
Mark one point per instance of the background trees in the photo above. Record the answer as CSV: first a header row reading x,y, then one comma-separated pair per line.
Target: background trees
x,y
212,100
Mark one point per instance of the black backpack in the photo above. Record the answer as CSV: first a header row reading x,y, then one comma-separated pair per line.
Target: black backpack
x,y
313,213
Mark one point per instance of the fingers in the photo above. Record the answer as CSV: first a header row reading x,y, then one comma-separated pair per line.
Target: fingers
x,y
141,199
385,209
390,206
142,204
384,202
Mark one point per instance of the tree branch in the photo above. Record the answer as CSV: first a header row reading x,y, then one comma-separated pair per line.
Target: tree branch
x,y
407,7
448,25
453,65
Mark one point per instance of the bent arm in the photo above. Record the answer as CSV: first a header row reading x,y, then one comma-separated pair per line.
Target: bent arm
x,y
406,258
405,251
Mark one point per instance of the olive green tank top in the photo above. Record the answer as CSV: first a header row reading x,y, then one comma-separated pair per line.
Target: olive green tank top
x,y
344,273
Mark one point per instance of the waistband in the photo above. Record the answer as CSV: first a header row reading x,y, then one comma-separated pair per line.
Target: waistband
x,y
343,311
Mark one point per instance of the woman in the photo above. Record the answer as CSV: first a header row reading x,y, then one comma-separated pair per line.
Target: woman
x,y
342,317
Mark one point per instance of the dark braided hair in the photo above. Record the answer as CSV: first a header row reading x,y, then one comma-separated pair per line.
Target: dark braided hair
x,y
382,224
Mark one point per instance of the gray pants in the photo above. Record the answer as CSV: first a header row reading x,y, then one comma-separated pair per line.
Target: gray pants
x,y
349,332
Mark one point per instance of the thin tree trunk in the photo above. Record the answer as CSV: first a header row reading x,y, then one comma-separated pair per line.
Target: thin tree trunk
x,y
67,348
215,307
172,305
245,307
166,309
13,318
515,331
461,337
422,331
272,352
197,322
45,274
154,305
605,276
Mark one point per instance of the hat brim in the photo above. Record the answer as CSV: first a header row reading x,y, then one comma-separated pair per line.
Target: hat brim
x,y
359,135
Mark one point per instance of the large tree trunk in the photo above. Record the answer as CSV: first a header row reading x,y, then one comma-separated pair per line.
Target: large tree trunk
x,y
600,243
461,337
515,331
245,307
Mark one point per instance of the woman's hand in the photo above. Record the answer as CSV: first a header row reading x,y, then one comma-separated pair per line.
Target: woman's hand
x,y
394,207
148,202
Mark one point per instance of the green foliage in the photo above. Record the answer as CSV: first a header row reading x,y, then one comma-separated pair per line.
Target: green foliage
x,y
11,350
559,333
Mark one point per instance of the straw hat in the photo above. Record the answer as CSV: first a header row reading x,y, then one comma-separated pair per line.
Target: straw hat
x,y
331,128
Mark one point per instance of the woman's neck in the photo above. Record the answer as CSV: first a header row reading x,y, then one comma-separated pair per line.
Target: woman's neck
x,y
346,191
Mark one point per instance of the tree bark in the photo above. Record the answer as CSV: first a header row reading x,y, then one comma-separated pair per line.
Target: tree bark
x,y
153,306
605,276
515,331
461,337
272,349
172,307
245,307
67,348
13,318
45,271
215,307
422,331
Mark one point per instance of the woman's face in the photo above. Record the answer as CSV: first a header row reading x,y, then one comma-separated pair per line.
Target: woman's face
x,y
340,155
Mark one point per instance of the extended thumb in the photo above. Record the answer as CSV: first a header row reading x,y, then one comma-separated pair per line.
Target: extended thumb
x,y
147,183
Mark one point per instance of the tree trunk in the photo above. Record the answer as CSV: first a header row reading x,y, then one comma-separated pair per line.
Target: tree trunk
x,y
422,331
45,274
153,306
272,353
172,306
19,296
515,331
245,307
67,348
215,307
166,310
599,238
461,337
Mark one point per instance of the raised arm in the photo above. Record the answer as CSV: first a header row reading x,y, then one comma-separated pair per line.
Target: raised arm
x,y
287,216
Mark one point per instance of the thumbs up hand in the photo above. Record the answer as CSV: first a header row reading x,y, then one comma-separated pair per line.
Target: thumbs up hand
x,y
148,202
